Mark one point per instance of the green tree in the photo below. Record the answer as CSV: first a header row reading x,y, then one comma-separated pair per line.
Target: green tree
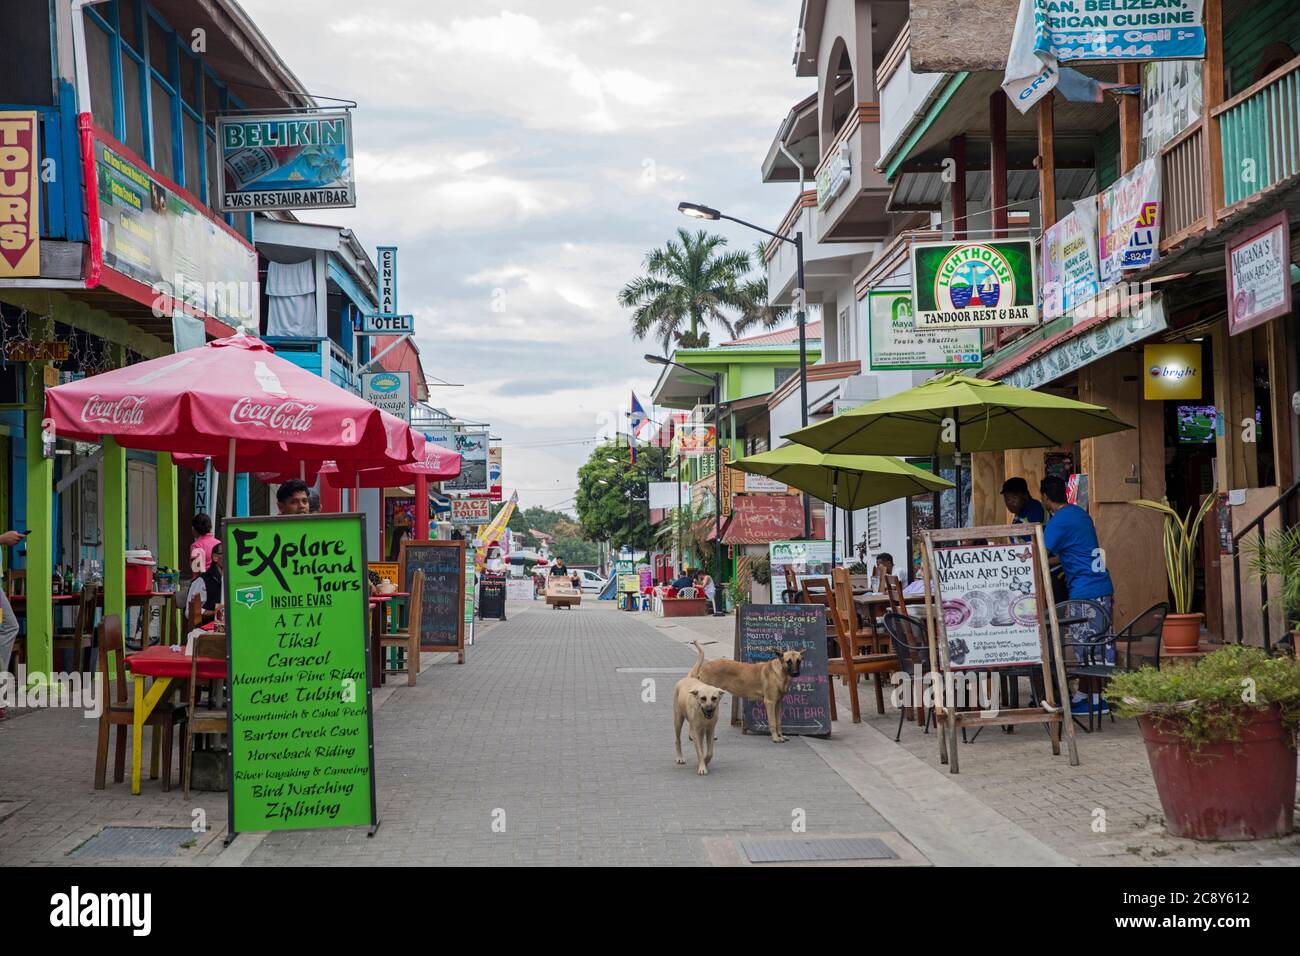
x,y
691,280
607,493
688,527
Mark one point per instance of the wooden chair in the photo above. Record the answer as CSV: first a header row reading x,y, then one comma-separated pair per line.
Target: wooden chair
x,y
119,709
193,614
16,583
791,593
409,638
205,721
170,629
80,637
851,663
893,589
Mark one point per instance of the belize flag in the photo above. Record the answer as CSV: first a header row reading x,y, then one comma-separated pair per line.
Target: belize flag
x,y
635,419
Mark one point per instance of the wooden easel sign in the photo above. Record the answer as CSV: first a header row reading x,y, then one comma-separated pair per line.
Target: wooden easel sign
x,y
442,603
993,612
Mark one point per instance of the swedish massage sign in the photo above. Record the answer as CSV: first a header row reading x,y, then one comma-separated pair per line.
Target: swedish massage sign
x,y
967,285
301,732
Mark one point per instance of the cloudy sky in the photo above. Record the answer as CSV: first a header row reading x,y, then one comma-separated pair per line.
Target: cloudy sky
x,y
524,158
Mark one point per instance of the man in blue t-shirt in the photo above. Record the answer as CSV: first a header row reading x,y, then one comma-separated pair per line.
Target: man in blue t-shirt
x,y
1071,540
1025,509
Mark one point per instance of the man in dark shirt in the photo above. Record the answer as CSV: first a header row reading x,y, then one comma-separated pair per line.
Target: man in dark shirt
x,y
1025,509
685,581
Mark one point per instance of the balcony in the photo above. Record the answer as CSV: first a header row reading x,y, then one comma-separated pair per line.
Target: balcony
x,y
319,356
827,266
904,96
1259,131
851,194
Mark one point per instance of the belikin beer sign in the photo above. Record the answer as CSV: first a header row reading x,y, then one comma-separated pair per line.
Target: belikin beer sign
x,y
20,215
286,161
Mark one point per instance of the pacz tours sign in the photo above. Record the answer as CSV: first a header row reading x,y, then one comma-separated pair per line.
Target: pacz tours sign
x,y
301,734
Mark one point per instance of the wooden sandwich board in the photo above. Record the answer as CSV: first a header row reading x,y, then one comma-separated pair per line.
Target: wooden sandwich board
x,y
442,607
989,607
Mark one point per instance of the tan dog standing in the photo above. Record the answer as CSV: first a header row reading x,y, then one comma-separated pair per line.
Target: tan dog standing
x,y
767,681
697,704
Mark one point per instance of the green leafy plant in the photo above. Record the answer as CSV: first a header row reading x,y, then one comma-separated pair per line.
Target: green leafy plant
x,y
1181,537
737,593
1279,554
859,567
1209,701
761,570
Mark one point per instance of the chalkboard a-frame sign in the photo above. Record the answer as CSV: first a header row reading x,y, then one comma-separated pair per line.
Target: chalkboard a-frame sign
x,y
442,607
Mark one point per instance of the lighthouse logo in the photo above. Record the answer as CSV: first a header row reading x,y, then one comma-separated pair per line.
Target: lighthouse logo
x,y
974,277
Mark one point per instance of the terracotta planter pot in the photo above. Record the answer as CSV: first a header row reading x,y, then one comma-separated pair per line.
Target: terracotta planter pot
x,y
1181,633
1225,791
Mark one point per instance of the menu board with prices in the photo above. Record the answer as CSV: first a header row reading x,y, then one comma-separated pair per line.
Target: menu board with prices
x,y
764,631
443,606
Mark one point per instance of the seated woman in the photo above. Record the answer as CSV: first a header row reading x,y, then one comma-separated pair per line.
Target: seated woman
x,y
206,588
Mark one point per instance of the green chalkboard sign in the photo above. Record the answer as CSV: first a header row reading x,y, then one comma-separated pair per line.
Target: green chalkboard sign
x,y
301,728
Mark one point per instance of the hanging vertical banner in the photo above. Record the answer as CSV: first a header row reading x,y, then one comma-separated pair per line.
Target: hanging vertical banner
x,y
20,195
387,267
1129,223
1070,267
1051,32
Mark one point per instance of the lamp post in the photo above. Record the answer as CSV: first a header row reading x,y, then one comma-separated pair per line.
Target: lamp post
x,y
717,467
699,211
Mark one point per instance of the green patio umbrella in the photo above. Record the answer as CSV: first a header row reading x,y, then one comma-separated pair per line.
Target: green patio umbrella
x,y
956,413
848,481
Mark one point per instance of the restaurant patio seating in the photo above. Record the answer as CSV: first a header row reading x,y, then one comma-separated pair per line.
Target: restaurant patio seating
x,y
1095,673
850,664
409,639
913,650
119,712
206,720
1088,624
791,593
80,638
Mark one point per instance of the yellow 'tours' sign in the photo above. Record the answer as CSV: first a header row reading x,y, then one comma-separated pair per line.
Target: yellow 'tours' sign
x,y
1173,371
20,197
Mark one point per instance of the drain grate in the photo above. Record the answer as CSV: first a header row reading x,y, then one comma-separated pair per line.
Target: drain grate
x,y
817,850
131,843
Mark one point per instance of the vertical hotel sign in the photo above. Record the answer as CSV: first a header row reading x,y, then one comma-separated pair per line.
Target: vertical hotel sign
x,y
387,279
20,219
301,730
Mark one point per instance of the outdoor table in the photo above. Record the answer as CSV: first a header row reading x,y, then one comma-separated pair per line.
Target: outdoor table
x,y
164,665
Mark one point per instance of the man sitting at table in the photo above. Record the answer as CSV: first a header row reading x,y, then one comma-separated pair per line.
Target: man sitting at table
x,y
1024,509
1071,540
206,587
685,581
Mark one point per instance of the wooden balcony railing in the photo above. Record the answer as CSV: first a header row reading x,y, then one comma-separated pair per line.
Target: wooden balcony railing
x,y
1260,132
1182,177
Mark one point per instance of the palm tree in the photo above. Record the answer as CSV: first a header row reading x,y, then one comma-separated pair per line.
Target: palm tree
x,y
686,526
692,280
755,290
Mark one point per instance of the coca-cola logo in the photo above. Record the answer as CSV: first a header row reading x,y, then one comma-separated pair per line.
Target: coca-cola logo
x,y
286,416
127,410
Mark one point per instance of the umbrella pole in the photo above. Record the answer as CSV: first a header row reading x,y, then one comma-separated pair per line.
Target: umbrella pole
x,y
302,471
957,465
230,482
835,512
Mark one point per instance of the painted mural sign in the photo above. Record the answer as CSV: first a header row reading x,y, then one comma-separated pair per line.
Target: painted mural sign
x,y
286,161
1071,271
1259,273
1051,32
20,207
896,344
963,285
1129,223
472,445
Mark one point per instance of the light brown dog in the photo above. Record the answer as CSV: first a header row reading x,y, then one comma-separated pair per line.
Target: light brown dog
x,y
767,681
696,704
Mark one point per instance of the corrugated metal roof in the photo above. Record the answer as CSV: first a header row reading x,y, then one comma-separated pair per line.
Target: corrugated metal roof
x,y
926,190
786,336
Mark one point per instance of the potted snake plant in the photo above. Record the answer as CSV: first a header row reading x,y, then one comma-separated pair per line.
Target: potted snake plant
x,y
1182,628
1279,555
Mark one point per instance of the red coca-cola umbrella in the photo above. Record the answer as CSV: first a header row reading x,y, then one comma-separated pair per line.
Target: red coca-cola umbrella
x,y
234,393
437,464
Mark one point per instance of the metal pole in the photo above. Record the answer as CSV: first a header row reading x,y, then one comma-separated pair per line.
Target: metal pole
x,y
717,491
800,303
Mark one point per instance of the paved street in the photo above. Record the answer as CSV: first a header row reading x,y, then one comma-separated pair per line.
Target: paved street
x,y
544,732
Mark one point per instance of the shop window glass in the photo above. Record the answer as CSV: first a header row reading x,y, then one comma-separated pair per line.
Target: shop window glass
x,y
189,81
160,49
132,112
192,141
129,24
99,62
162,132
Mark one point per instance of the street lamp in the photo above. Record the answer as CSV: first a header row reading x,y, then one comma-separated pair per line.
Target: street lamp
x,y
699,211
717,466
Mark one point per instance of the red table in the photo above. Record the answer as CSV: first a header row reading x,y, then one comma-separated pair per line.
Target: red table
x,y
164,665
